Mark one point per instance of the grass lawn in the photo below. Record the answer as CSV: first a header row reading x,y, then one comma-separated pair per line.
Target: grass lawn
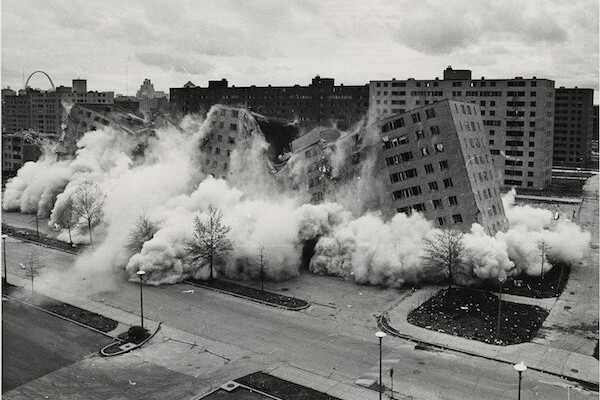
x,y
473,315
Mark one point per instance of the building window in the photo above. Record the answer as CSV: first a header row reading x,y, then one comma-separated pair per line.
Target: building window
x,y
233,127
424,151
452,200
437,203
416,117
429,168
217,151
433,186
444,164
439,147
435,130
441,221
457,218
430,113
420,134
448,182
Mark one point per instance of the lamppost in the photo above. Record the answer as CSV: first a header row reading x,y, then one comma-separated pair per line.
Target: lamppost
x,y
501,280
520,368
380,335
5,278
141,274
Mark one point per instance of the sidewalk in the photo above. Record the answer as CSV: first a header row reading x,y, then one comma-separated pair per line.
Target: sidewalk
x,y
574,366
204,359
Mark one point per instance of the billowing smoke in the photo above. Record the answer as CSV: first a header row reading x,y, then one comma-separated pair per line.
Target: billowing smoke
x,y
353,240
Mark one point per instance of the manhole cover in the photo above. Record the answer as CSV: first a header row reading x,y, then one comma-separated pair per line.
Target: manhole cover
x,y
574,370
567,307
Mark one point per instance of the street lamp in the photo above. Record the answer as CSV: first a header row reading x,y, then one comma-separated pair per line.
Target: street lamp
x,y
520,368
5,278
380,335
141,274
500,280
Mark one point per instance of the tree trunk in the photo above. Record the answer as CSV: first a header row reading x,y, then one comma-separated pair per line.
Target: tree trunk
x,y
90,230
211,265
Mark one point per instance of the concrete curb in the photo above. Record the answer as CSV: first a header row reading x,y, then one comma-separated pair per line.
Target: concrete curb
x,y
135,346
382,322
241,296
36,242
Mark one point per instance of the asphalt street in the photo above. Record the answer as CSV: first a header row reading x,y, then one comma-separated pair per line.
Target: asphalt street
x,y
338,343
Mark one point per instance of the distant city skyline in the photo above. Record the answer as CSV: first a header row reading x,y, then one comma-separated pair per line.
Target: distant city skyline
x,y
115,46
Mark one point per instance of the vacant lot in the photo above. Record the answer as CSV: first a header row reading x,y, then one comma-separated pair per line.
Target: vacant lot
x,y
35,343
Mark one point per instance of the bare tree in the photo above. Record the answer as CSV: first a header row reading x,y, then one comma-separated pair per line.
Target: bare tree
x,y
143,231
210,244
543,247
262,261
88,200
64,216
443,252
33,267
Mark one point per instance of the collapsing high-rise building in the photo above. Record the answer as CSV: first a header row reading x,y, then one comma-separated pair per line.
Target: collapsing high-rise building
x,y
435,160
432,159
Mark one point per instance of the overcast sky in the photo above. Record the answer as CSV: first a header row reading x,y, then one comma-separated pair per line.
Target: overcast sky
x,y
283,42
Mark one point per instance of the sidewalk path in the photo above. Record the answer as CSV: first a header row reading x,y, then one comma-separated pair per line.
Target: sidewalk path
x,y
572,365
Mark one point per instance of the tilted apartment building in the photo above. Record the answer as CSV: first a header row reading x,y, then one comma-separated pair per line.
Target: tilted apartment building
x,y
436,160
517,115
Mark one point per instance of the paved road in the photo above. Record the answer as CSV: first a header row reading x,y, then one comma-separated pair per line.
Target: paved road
x,y
35,343
334,342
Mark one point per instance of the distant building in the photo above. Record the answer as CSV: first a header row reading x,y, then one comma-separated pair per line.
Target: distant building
x,y
44,110
150,100
21,147
573,127
595,137
321,103
518,115
435,160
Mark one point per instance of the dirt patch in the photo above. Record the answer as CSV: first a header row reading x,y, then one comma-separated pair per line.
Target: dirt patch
x,y
281,388
474,315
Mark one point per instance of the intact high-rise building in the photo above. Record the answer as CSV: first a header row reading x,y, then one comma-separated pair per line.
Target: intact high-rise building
x,y
322,103
573,127
517,115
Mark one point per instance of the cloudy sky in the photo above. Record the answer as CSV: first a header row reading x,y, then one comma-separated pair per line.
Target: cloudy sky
x,y
285,42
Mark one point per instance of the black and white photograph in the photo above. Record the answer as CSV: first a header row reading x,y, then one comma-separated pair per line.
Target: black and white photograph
x,y
300,199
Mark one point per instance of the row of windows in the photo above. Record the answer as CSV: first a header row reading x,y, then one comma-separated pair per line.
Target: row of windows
x,y
401,140
456,218
421,207
405,193
403,175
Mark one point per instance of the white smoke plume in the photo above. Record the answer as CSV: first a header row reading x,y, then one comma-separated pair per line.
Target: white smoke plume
x,y
353,240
